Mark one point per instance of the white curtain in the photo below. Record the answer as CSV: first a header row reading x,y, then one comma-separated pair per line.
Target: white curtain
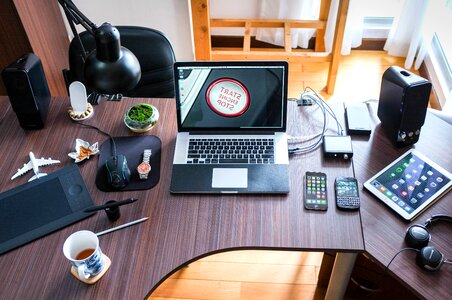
x,y
354,25
409,32
288,9
309,10
410,35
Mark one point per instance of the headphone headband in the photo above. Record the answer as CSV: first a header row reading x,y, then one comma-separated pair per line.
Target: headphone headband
x,y
436,218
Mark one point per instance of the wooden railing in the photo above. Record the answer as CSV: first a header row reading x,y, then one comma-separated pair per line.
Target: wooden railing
x,y
203,48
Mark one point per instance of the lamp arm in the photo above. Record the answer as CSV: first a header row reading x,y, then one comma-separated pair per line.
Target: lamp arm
x,y
110,68
74,15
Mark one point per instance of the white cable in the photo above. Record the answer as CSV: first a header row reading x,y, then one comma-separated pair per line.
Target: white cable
x,y
326,109
314,145
299,139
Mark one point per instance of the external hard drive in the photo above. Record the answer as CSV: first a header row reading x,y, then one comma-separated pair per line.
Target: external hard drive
x,y
358,121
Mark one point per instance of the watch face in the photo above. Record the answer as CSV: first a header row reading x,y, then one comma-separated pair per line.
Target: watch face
x,y
144,168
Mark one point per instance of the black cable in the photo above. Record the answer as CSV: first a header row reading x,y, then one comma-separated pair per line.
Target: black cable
x,y
400,251
365,288
113,144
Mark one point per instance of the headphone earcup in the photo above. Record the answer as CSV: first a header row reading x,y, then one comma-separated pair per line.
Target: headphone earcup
x,y
429,258
417,236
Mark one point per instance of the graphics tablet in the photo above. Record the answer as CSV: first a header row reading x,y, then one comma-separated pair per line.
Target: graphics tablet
x,y
410,184
41,206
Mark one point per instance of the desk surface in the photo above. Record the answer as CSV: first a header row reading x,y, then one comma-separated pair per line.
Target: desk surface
x,y
181,228
384,231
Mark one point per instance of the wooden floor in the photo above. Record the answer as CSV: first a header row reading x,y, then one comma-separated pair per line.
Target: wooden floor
x,y
358,79
249,275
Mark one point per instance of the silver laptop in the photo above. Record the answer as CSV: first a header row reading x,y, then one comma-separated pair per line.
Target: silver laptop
x,y
231,119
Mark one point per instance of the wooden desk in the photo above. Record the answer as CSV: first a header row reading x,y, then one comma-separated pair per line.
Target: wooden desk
x,y
181,228
384,231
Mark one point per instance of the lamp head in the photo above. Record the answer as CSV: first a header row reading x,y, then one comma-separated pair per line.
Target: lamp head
x,y
111,68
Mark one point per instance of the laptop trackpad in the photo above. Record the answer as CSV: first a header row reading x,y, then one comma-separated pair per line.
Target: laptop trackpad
x,y
230,178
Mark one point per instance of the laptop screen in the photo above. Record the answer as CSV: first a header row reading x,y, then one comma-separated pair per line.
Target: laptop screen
x,y
231,95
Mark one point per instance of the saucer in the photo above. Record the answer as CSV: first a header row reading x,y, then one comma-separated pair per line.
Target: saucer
x,y
92,280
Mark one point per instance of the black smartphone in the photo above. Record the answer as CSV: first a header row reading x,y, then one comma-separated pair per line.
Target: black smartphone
x,y
315,191
347,195
358,122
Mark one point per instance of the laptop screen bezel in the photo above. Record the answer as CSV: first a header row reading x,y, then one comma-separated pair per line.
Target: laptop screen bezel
x,y
282,64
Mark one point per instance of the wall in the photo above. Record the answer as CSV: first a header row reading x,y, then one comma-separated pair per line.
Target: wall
x,y
172,17
13,38
169,16
35,26
233,9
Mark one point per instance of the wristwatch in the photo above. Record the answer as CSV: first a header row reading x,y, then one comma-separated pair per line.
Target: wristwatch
x,y
144,168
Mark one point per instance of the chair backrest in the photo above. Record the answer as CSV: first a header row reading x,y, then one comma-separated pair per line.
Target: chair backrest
x,y
152,49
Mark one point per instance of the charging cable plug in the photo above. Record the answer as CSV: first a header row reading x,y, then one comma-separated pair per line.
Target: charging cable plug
x,y
304,102
307,99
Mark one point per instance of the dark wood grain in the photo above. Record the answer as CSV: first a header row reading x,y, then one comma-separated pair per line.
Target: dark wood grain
x,y
43,22
384,231
181,228
13,38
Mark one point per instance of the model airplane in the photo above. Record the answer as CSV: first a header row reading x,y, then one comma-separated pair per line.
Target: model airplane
x,y
34,164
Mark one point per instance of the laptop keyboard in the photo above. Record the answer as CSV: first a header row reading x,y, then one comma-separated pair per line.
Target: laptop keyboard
x,y
231,151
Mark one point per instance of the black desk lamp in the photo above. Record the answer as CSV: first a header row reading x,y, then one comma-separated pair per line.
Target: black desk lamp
x,y
110,68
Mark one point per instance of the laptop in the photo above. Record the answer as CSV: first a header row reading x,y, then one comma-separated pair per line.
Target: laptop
x,y
231,119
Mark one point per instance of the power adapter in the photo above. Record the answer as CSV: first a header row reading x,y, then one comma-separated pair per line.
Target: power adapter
x,y
337,146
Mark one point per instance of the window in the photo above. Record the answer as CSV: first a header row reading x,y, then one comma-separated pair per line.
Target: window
x,y
439,59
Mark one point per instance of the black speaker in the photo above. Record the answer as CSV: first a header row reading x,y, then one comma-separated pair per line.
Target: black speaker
x,y
28,91
403,105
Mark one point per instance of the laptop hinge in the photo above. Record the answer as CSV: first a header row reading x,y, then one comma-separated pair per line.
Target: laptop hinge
x,y
216,132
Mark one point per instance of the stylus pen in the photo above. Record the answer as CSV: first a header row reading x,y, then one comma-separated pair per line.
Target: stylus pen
x,y
110,205
122,226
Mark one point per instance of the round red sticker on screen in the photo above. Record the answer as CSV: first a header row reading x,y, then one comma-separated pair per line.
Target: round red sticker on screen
x,y
228,97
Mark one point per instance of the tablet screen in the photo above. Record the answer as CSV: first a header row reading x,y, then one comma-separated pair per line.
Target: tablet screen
x,y
410,184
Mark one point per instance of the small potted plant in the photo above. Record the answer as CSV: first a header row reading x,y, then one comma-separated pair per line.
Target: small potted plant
x,y
141,117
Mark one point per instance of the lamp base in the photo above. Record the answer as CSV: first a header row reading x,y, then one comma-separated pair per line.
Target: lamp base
x,y
115,97
94,98
80,116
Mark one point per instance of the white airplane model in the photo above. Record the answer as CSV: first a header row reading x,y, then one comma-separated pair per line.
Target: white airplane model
x,y
34,164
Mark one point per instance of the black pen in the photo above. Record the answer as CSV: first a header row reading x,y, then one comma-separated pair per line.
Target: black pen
x,y
110,205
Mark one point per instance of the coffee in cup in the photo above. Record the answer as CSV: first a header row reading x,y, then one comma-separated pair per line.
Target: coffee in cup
x,y
83,251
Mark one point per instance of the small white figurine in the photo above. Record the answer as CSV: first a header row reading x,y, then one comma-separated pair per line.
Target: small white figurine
x,y
34,164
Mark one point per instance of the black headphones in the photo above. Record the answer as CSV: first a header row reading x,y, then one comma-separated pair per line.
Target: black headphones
x,y
417,236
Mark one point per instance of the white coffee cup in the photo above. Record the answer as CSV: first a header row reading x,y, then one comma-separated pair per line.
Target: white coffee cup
x,y
82,249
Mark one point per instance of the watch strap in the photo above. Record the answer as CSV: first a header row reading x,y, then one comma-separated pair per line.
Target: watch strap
x,y
147,155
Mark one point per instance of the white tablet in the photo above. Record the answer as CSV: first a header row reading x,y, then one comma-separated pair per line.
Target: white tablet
x,y
410,184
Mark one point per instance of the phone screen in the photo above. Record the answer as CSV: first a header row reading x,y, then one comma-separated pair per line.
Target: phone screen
x,y
347,188
315,191
347,195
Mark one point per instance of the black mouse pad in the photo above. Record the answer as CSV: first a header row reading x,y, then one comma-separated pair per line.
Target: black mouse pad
x,y
132,147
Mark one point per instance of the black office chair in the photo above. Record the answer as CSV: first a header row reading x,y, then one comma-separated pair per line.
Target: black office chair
x,y
153,51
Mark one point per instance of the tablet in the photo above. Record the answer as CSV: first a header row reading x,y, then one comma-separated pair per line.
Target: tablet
x,y
410,184
41,206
